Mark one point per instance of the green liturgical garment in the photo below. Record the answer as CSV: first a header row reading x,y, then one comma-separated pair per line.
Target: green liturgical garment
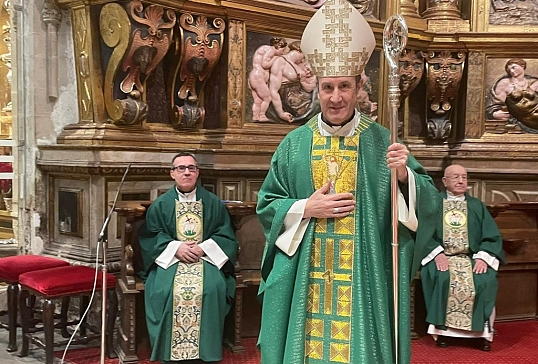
x,y
462,229
332,301
166,322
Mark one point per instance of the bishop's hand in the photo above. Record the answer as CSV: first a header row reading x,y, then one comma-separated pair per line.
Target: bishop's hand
x,y
397,155
323,204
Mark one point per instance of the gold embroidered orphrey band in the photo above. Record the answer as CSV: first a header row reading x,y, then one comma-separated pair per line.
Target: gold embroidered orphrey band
x,y
188,286
329,316
460,303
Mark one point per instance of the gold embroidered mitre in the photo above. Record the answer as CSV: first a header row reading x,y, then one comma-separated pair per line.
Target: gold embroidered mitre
x,y
337,41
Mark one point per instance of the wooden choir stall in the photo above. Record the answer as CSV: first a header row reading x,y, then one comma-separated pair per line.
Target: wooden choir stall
x,y
517,298
132,333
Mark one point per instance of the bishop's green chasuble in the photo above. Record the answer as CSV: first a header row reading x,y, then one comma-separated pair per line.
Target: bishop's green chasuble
x,y
331,302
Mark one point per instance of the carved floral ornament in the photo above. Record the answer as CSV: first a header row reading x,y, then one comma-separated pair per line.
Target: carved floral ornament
x,y
145,37
411,69
445,70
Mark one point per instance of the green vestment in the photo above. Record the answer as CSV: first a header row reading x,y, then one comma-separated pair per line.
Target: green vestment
x,y
285,279
483,235
218,285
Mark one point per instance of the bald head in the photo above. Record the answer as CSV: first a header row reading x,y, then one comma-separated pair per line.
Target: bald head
x,y
455,169
455,179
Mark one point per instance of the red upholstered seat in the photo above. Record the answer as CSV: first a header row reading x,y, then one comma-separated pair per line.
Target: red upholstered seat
x,y
64,281
12,267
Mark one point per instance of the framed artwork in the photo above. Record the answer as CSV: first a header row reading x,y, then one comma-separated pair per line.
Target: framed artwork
x,y
70,203
511,88
281,87
507,16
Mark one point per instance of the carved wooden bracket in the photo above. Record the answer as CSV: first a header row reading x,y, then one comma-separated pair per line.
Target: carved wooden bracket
x,y
411,69
445,70
201,47
139,39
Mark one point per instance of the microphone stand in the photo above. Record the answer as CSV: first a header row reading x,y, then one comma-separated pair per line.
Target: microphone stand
x,y
103,242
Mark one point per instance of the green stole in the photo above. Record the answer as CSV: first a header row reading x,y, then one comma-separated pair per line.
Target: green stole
x,y
329,309
188,286
461,297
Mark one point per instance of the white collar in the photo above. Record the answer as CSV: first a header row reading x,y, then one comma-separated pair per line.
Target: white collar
x,y
452,197
186,197
345,131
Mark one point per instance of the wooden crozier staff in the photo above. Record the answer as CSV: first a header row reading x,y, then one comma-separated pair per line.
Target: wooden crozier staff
x,y
394,41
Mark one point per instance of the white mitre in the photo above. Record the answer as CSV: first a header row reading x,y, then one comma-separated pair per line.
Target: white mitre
x,y
337,41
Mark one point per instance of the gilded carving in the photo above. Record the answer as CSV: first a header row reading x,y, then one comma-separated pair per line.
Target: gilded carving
x,y
513,12
474,97
199,52
411,71
190,115
513,98
236,73
445,70
408,8
148,45
115,29
363,6
82,50
442,9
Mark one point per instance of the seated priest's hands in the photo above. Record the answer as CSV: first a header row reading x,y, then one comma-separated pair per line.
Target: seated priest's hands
x,y
480,266
322,204
441,261
397,155
189,252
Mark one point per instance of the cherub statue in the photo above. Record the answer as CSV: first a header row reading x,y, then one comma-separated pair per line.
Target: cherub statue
x,y
259,76
292,84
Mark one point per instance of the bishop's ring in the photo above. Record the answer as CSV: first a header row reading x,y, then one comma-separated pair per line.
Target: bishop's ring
x,y
335,210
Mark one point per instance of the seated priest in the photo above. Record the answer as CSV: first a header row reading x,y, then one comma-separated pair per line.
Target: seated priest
x,y
459,276
188,249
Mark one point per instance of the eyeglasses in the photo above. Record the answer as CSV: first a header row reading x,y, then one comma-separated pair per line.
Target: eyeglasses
x,y
181,168
457,178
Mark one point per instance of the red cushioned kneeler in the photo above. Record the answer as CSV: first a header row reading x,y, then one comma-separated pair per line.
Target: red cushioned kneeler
x,y
10,270
57,283
12,267
62,281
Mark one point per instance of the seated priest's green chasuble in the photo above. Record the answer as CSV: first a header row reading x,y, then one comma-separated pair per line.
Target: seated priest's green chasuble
x,y
459,308
188,286
329,313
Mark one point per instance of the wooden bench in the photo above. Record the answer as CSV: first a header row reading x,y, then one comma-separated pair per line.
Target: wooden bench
x,y
517,298
132,332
